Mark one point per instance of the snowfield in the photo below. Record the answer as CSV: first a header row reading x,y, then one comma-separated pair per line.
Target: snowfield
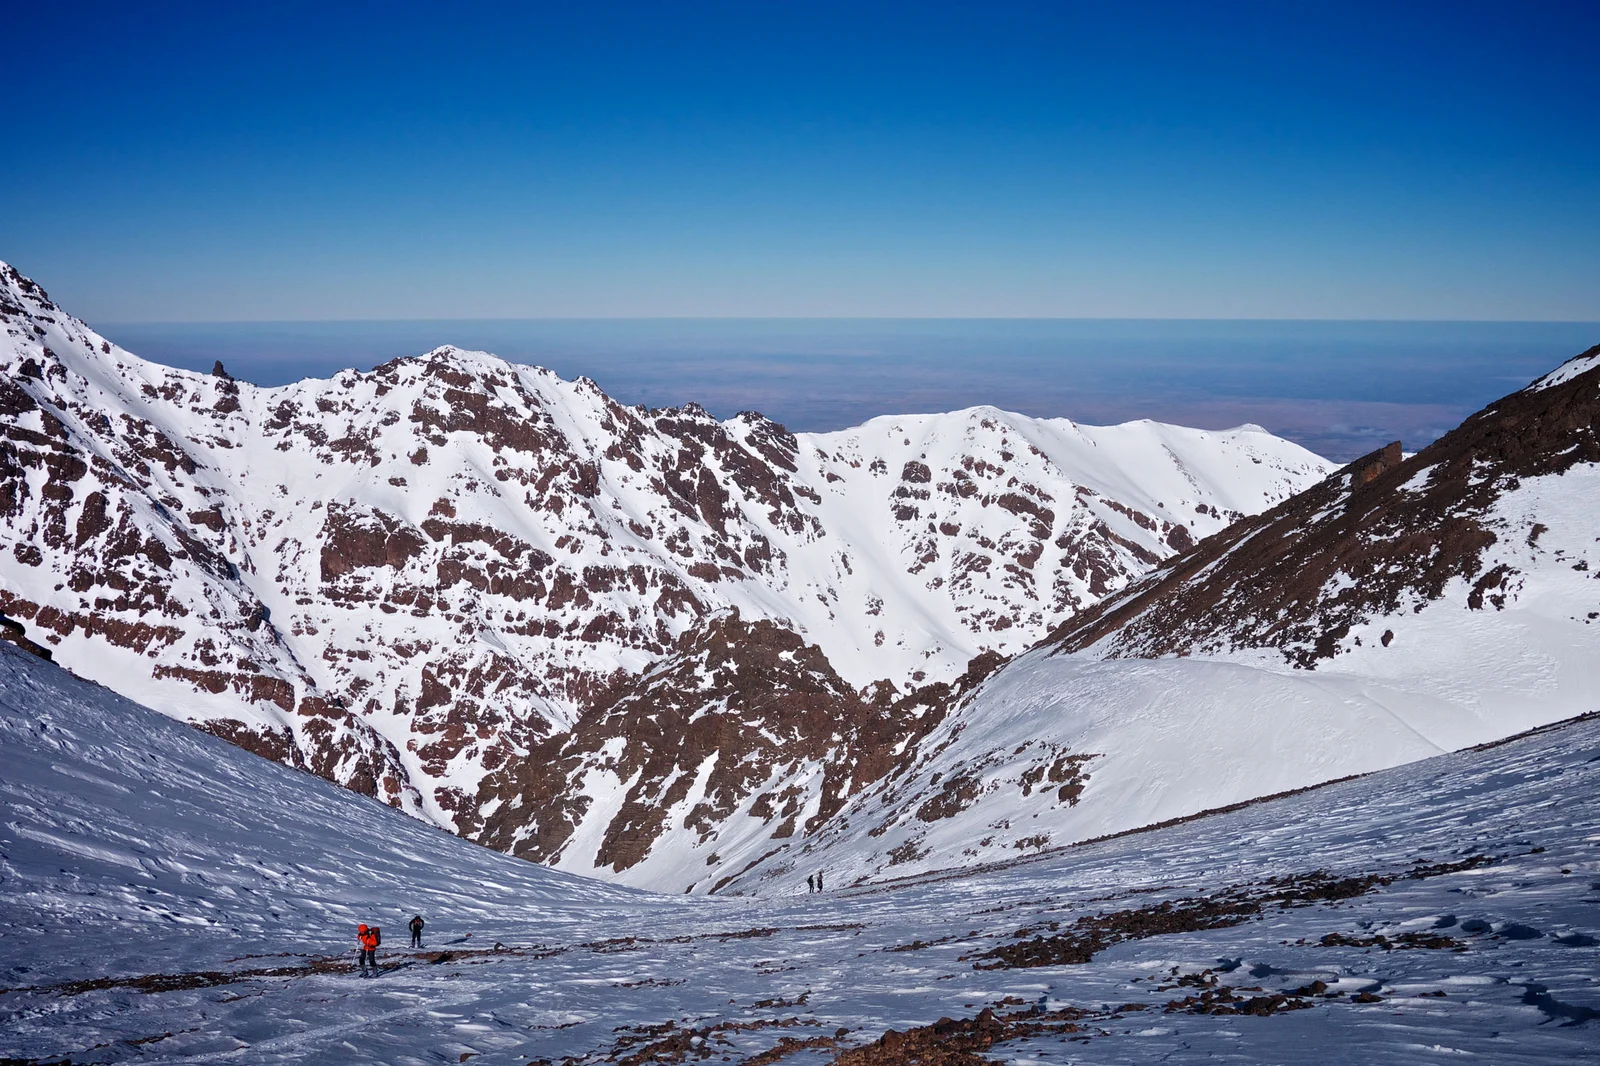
x,y
165,897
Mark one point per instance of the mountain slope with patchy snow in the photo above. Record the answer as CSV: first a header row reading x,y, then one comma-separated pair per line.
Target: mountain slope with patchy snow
x,y
1399,609
1505,498
421,580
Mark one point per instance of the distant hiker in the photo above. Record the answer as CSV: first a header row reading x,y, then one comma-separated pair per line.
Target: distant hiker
x,y
811,882
819,880
416,931
367,939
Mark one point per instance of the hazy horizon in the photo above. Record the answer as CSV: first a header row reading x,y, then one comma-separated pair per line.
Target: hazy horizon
x,y
1339,388
846,318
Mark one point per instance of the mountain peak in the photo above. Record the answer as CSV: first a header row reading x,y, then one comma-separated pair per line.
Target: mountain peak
x,y
1572,368
19,285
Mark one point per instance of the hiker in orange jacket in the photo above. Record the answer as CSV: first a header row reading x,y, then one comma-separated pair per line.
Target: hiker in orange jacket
x,y
367,944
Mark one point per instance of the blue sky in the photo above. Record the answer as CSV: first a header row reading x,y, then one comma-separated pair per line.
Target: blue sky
x,y
177,162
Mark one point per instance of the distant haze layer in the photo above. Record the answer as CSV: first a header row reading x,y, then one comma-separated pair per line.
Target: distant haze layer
x,y
1339,388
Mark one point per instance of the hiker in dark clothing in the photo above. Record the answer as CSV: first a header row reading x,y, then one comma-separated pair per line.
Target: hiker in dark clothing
x,y
811,883
416,931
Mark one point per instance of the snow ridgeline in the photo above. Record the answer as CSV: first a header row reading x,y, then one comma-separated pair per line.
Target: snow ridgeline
x,y
165,897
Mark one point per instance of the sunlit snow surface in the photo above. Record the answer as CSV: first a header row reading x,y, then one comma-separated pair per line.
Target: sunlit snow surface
x,y
131,846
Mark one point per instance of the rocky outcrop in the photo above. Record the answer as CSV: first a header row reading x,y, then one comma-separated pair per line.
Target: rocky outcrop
x,y
741,718
16,634
1384,535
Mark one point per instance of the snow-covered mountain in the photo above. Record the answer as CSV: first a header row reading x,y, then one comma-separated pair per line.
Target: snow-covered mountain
x,y
1400,608
165,897
591,634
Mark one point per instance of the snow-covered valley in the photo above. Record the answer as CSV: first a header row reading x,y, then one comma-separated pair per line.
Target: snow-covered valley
x,y
1052,710
165,897
773,534
701,656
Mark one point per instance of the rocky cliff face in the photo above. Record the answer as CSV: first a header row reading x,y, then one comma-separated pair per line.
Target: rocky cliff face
x,y
586,632
736,745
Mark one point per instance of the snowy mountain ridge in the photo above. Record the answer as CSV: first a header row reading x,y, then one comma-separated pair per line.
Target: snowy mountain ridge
x,y
457,585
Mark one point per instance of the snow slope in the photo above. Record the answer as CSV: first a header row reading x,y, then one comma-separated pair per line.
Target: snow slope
x,y
1135,742
133,843
167,898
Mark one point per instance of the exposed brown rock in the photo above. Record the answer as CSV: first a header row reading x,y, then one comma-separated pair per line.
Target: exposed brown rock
x,y
737,702
277,745
13,632
957,1042
1398,530
353,539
